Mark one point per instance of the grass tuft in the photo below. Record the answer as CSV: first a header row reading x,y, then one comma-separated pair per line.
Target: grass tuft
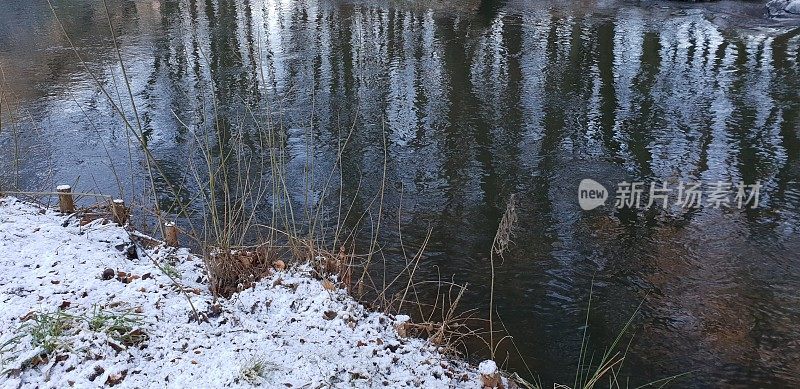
x,y
47,328
255,371
122,327
170,270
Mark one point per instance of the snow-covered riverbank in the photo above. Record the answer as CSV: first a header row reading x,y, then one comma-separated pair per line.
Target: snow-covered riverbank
x,y
104,315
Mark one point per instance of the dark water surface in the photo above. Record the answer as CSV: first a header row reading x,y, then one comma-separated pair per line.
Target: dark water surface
x,y
524,97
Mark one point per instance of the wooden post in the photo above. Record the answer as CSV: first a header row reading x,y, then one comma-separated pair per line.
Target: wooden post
x,y
171,234
119,212
66,204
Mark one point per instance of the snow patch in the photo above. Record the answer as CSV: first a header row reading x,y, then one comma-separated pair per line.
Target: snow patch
x,y
487,367
286,331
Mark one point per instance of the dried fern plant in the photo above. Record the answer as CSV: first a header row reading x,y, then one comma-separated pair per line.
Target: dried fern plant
x,y
502,239
505,230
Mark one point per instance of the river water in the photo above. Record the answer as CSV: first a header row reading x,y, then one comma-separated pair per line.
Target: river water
x,y
464,107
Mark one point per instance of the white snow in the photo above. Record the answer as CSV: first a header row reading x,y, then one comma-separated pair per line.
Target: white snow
x,y
281,333
487,367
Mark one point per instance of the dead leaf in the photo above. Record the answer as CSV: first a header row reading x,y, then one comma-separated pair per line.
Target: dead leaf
x,y
402,329
115,346
98,371
116,378
38,360
134,337
28,316
108,274
328,285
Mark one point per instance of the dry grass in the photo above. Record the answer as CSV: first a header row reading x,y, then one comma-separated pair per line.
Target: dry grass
x,y
9,118
500,245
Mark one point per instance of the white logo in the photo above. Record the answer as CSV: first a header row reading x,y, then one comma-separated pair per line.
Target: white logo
x,y
591,194
634,195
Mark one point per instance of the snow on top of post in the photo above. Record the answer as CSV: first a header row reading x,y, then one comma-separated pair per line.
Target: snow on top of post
x,y
487,367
